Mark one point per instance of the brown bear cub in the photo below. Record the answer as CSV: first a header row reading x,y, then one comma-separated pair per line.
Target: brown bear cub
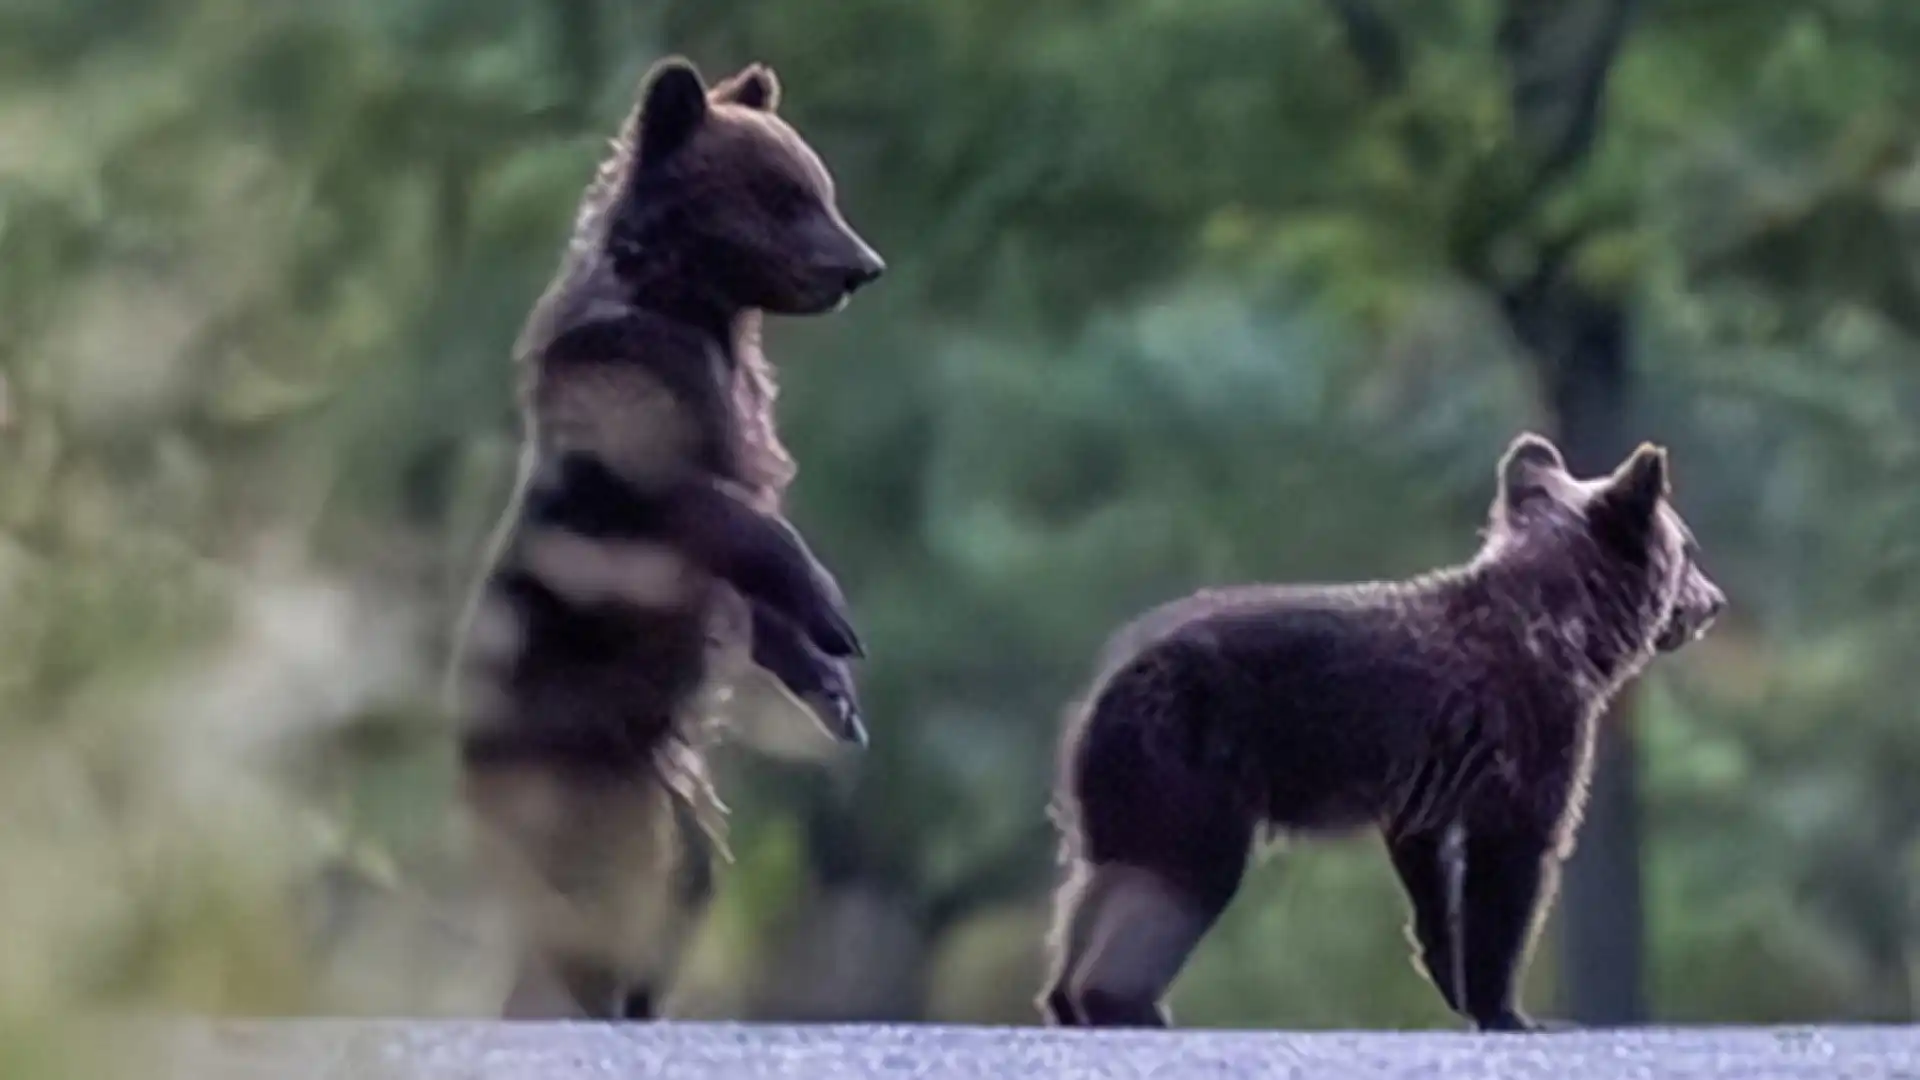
x,y
644,560
1454,712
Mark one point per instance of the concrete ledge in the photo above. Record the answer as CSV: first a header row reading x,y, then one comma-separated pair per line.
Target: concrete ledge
x,y
354,1050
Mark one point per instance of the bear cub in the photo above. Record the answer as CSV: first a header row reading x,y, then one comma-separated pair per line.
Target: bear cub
x,y
644,560
1454,712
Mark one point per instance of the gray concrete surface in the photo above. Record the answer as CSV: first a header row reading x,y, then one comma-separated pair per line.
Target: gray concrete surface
x,y
322,1050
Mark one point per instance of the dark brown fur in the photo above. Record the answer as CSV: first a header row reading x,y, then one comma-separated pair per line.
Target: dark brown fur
x,y
1454,713
643,564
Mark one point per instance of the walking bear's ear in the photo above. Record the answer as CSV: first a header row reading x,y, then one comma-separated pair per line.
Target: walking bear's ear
x,y
1634,492
1528,469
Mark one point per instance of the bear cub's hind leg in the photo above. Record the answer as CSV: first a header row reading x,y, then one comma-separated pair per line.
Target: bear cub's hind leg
x,y
560,988
1123,944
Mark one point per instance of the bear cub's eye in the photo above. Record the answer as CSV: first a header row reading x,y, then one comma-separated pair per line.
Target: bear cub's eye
x,y
787,200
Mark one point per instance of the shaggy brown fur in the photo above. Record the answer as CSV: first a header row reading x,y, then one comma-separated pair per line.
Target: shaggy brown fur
x,y
1455,713
644,566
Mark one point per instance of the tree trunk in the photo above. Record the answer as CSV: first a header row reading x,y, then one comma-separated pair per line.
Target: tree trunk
x,y
876,923
1579,343
1602,925
856,952
858,948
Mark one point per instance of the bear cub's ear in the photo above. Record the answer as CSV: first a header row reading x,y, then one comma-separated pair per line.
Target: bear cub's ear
x,y
1529,465
755,87
1640,482
673,104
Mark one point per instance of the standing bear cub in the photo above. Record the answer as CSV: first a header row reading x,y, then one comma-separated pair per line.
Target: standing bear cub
x,y
1454,712
644,563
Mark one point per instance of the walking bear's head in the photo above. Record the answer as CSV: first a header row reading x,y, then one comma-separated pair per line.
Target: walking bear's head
x,y
1637,562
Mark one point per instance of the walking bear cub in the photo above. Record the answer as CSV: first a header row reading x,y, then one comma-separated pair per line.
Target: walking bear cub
x,y
644,563
1454,712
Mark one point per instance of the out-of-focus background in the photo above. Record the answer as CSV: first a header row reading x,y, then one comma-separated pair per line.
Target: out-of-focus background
x,y
1181,293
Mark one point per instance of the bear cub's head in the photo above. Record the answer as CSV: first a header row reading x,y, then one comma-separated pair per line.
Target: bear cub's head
x,y
1621,530
737,206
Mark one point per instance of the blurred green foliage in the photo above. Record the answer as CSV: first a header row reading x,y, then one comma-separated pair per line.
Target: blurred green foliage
x,y
1180,294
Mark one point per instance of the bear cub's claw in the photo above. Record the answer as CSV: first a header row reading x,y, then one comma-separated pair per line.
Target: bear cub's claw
x,y
833,633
